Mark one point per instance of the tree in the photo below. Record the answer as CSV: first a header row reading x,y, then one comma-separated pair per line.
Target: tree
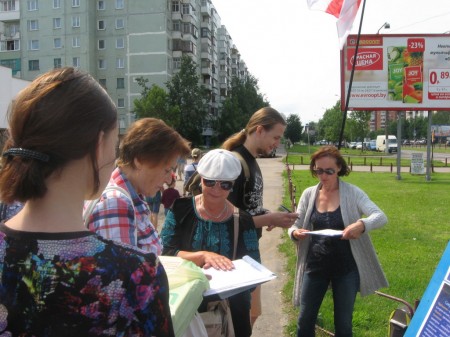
x,y
329,126
190,100
243,100
441,118
293,128
154,103
357,126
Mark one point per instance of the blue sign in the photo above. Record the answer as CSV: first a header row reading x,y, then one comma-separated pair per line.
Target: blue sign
x,y
432,317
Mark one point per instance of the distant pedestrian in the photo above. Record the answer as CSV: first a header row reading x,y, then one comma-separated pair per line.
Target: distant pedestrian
x,y
169,195
181,164
189,170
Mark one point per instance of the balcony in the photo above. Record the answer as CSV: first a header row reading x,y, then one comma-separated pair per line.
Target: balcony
x,y
9,10
206,8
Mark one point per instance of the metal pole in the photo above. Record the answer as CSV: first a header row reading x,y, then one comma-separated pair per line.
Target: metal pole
x,y
386,140
428,173
399,144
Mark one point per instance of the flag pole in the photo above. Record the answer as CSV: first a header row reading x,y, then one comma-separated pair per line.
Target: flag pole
x,y
347,99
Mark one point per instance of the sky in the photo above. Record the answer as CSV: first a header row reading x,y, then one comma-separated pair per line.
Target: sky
x,y
294,52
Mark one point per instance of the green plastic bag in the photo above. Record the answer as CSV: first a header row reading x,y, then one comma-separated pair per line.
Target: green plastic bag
x,y
187,283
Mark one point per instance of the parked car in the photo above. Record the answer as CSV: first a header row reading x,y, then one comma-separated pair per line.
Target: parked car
x,y
272,154
359,145
373,145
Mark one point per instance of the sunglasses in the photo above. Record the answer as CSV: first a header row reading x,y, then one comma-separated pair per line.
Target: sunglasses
x,y
328,171
225,185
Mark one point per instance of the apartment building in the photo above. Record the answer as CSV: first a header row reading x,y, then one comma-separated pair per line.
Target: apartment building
x,y
118,41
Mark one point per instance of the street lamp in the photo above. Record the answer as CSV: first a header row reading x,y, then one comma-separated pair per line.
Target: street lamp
x,y
385,25
307,132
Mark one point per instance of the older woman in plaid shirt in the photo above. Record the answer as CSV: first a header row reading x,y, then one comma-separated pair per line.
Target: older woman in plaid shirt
x,y
147,158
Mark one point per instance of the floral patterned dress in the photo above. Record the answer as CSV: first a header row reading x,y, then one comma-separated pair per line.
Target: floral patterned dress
x,y
79,284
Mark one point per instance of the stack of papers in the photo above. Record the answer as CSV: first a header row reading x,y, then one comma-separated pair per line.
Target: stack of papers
x,y
247,274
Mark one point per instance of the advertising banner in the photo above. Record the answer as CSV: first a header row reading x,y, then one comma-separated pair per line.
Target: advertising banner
x,y
397,72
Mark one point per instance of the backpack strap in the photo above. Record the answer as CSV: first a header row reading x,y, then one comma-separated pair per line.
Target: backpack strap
x,y
246,174
91,205
244,165
236,231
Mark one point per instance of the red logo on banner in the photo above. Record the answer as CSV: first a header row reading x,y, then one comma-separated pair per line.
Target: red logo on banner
x,y
367,59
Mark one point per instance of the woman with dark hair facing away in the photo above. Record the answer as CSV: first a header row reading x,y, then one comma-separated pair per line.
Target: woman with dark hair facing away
x,y
56,277
347,262
148,157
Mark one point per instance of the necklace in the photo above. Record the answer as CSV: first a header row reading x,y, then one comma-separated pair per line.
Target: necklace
x,y
225,208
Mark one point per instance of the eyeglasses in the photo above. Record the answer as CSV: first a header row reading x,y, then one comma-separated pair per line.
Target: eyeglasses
x,y
225,185
328,171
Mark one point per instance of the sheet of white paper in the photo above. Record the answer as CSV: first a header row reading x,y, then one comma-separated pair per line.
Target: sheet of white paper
x,y
326,232
247,273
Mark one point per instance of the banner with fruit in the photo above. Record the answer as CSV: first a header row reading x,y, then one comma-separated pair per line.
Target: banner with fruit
x,y
397,72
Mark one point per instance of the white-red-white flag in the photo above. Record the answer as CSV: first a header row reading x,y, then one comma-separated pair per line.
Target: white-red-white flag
x,y
344,10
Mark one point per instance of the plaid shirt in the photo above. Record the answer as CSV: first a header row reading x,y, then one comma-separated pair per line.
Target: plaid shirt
x,y
115,218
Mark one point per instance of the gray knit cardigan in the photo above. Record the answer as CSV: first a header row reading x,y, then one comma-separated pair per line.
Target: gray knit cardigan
x,y
355,205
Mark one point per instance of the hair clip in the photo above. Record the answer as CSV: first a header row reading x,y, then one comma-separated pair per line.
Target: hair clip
x,y
24,153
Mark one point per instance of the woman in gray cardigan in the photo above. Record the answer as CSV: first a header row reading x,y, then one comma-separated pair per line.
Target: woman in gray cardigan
x,y
348,262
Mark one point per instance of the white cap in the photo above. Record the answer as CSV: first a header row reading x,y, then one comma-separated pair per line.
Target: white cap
x,y
219,164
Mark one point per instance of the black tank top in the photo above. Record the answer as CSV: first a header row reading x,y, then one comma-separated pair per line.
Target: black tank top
x,y
329,256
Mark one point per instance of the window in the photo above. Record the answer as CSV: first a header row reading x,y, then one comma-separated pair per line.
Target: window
x,y
33,65
101,44
186,8
57,43
33,25
120,83
76,42
75,3
56,3
101,5
102,82
33,45
76,62
121,103
10,45
119,4
57,63
120,23
32,5
176,63
120,43
101,25
176,26
175,6
7,6
120,63
101,64
75,21
56,23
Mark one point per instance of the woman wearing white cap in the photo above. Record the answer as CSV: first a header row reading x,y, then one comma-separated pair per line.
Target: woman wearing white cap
x,y
201,228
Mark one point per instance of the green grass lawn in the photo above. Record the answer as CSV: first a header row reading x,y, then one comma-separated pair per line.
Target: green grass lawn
x,y
409,246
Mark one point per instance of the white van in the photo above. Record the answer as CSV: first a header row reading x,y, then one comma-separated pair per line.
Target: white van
x,y
392,143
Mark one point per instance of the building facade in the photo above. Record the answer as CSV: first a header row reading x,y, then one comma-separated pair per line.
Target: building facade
x,y
118,41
